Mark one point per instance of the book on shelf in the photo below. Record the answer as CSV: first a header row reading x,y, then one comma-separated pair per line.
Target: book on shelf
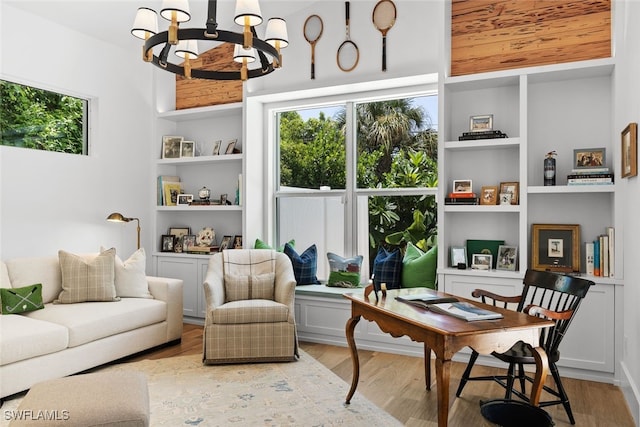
x,y
611,233
162,179
589,181
202,249
461,200
588,253
465,311
425,299
463,194
589,175
590,178
604,255
489,134
587,171
596,257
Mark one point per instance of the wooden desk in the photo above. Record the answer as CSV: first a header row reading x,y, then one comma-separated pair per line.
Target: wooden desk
x,y
445,335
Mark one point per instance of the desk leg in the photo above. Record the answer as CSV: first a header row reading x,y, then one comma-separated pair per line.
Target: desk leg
x,y
351,326
443,373
427,366
542,369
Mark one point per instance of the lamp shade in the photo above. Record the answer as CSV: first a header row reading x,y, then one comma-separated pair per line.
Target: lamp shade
x,y
180,7
277,32
145,23
240,53
249,9
187,46
117,217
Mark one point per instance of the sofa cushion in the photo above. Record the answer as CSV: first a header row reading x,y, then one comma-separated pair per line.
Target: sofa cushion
x,y
30,270
419,268
257,286
21,300
305,265
250,311
259,244
87,279
344,272
95,320
24,338
130,276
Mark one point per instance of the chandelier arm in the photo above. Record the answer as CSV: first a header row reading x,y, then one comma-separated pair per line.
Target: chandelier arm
x,y
264,62
161,61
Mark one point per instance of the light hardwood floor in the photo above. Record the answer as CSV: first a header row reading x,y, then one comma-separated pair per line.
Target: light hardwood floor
x,y
396,384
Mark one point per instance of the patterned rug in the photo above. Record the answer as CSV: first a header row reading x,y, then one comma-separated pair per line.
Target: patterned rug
x,y
183,392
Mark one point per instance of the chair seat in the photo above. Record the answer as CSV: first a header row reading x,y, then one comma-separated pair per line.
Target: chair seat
x,y
511,413
521,353
250,311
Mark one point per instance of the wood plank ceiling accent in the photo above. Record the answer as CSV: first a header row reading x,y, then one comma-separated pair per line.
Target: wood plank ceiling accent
x,y
191,93
491,35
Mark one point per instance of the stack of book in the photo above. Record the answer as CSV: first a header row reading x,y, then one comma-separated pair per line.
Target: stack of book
x,y
590,176
201,249
600,254
462,199
484,134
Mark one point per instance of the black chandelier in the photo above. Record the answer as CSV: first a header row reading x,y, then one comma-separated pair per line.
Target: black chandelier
x,y
247,44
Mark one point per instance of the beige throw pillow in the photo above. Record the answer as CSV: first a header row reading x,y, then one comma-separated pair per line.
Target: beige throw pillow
x,y
87,278
260,286
131,276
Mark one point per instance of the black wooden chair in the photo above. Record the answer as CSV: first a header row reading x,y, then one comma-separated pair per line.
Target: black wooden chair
x,y
551,295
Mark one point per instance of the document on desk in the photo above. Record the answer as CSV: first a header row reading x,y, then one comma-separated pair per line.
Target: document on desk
x,y
465,310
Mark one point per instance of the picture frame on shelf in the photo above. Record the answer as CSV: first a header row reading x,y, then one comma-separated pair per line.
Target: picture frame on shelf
x,y
179,231
458,256
171,146
237,242
184,199
513,188
188,241
171,191
187,148
555,247
586,158
167,242
507,258
489,195
231,146
629,151
481,261
225,243
216,147
481,123
462,186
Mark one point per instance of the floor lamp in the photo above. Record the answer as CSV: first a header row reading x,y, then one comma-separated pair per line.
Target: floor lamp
x,y
118,217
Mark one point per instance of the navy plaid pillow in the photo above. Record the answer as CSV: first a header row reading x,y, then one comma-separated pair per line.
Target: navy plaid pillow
x,y
305,265
387,268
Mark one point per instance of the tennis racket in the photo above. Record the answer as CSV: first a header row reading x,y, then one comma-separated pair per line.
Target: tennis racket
x,y
312,32
384,16
348,52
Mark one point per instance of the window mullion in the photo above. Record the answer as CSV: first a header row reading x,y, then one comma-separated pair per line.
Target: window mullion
x,y
350,205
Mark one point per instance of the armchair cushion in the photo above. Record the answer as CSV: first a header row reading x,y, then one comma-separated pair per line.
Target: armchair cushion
x,y
258,286
250,311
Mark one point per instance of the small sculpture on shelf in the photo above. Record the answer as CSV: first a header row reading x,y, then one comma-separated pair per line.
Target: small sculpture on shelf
x,y
550,168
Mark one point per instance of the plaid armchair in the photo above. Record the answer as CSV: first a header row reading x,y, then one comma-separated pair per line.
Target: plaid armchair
x,y
250,312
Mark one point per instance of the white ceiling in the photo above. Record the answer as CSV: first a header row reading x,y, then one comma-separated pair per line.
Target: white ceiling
x,y
111,20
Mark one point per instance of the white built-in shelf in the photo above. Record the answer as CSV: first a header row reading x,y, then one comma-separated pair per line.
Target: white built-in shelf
x,y
201,160
482,208
202,112
479,144
223,208
568,189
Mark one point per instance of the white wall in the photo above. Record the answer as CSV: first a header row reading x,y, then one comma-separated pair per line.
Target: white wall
x,y
627,109
52,201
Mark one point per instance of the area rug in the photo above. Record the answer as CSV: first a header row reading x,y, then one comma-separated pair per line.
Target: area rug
x,y
183,392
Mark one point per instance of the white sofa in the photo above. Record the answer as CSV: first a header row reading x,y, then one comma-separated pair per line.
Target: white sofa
x,y
64,339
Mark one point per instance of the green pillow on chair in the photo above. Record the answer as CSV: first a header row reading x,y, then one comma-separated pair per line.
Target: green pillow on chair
x,y
21,300
262,245
419,268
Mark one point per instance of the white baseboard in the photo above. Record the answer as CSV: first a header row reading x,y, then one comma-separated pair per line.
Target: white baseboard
x,y
631,392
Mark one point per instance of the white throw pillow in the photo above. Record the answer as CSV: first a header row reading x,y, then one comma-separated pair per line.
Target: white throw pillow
x,y
131,276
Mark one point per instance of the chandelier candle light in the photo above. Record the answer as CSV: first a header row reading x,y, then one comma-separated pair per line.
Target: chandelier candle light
x,y
185,40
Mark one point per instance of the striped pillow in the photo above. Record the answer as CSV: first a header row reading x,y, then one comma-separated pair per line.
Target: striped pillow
x,y
304,265
259,286
387,268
